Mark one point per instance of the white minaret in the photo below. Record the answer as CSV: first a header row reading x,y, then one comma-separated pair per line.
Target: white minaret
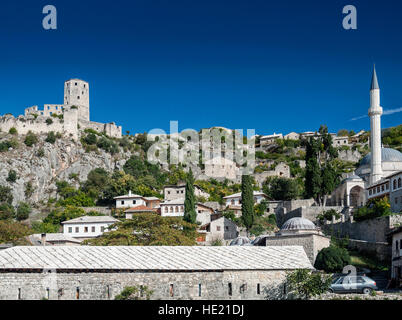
x,y
375,113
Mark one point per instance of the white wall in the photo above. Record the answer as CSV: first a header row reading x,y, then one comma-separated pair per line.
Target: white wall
x,y
81,229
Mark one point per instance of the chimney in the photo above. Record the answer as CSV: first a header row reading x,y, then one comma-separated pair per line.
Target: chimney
x,y
129,193
43,239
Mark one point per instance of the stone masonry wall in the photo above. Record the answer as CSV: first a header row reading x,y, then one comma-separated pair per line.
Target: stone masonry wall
x,y
103,286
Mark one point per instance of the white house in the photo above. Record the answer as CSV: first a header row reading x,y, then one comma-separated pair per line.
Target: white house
x,y
175,208
235,199
131,200
87,226
265,140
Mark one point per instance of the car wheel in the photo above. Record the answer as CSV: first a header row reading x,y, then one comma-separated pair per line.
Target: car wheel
x,y
330,290
367,290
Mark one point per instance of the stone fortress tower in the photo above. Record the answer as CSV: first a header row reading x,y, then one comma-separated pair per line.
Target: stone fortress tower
x,y
76,93
375,113
65,118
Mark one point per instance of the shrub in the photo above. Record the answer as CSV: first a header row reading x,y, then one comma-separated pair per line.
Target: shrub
x,y
374,208
304,284
51,137
6,211
41,152
30,139
5,195
332,259
29,190
12,131
23,211
12,176
49,121
328,215
90,139
135,293
11,231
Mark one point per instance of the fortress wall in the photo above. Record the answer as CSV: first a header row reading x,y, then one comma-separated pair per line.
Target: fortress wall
x,y
24,125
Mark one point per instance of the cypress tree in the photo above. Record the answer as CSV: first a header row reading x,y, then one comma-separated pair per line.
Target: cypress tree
x,y
190,214
247,202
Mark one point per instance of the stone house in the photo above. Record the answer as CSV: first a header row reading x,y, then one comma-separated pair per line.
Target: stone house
x,y
395,197
101,273
220,229
396,242
292,136
175,208
53,239
171,192
269,139
220,167
87,227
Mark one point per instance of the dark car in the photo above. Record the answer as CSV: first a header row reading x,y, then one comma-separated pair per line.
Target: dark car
x,y
349,284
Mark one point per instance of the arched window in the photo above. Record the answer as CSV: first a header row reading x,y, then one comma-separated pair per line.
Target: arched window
x,y
394,185
399,183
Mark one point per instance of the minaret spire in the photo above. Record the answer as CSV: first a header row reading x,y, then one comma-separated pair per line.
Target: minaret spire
x,y
375,113
374,80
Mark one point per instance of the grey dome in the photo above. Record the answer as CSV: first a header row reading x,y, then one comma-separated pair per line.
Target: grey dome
x,y
240,241
298,224
387,155
352,177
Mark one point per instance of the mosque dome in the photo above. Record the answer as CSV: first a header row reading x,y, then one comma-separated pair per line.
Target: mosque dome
x,y
387,155
298,224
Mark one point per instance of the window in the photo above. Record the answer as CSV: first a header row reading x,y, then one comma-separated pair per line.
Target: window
x,y
76,83
85,229
77,293
227,228
78,97
47,293
370,192
382,188
134,201
258,288
70,229
102,229
218,228
399,183
77,229
93,229
171,291
177,191
229,289
199,290
19,293
394,184
396,245
122,202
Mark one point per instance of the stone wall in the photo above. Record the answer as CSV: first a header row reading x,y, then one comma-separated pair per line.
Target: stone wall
x,y
312,243
373,230
103,210
166,285
381,250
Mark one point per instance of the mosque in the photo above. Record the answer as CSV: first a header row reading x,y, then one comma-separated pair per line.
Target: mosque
x,y
375,167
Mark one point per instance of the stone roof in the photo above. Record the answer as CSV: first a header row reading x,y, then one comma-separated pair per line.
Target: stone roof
x,y
178,258
387,155
298,224
91,219
55,237
140,208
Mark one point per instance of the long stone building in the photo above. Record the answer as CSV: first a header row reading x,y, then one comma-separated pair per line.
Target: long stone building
x,y
65,118
101,273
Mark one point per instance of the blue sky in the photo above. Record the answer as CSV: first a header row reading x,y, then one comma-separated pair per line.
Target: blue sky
x,y
273,66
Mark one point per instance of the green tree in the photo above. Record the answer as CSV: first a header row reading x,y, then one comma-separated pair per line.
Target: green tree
x,y
343,133
148,229
247,202
23,211
190,214
12,131
304,284
332,259
321,176
13,232
280,188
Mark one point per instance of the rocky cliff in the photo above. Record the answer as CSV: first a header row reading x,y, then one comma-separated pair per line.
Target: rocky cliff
x,y
44,163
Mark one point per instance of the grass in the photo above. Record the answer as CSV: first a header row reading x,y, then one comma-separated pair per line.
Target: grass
x,y
363,261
